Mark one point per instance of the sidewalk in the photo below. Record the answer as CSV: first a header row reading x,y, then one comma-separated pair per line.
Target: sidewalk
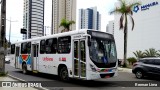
x,y
9,79
120,69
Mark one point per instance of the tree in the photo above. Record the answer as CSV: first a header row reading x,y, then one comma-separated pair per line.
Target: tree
x,y
66,24
138,54
151,53
131,60
158,54
125,10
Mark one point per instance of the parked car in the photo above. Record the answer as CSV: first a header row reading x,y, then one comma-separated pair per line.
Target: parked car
x,y
7,59
146,67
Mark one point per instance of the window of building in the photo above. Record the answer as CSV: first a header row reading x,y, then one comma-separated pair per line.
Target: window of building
x,y
42,46
12,48
64,44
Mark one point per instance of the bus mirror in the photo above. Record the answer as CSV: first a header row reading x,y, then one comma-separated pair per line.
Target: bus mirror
x,y
89,41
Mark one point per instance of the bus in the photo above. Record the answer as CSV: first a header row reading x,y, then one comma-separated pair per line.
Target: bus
x,y
79,54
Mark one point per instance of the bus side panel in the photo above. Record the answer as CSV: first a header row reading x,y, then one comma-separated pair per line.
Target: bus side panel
x,y
44,63
48,63
66,59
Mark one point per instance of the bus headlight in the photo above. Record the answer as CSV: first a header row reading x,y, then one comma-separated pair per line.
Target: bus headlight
x,y
93,68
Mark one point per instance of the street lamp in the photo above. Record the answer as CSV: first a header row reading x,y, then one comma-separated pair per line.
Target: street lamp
x,y
10,29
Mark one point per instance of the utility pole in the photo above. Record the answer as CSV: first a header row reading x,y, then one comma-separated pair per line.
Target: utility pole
x,y
2,36
52,31
10,29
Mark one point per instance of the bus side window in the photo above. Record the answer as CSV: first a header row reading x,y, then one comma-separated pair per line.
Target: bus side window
x,y
48,46
54,45
42,47
29,47
51,46
64,44
24,48
13,49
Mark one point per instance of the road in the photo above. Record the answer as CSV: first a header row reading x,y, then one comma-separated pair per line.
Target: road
x,y
124,81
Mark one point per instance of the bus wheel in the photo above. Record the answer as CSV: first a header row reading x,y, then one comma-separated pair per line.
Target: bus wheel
x,y
24,69
64,74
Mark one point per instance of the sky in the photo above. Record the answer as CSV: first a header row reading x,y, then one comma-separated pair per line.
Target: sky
x,y
15,13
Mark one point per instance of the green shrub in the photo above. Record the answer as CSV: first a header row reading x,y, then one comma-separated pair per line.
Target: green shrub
x,y
132,60
2,74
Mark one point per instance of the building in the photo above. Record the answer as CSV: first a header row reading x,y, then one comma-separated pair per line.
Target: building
x,y
33,18
110,27
146,32
63,9
89,19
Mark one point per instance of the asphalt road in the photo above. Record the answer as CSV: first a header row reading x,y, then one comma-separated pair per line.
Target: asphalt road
x,y
124,81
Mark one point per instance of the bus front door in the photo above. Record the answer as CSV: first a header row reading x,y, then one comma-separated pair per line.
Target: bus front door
x,y
79,62
35,56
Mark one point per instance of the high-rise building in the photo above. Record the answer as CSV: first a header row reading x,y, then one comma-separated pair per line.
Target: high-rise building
x,y
63,9
110,27
89,19
33,18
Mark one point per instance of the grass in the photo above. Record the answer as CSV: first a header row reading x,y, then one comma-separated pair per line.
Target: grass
x,y
3,74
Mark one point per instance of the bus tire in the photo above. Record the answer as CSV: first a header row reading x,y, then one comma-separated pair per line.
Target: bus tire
x,y
64,74
24,68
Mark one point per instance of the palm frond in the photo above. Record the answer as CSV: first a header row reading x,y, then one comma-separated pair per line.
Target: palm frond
x,y
121,21
115,11
71,22
138,54
134,4
66,24
132,20
151,52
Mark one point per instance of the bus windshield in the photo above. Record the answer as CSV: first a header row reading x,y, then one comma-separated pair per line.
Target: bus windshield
x,y
103,52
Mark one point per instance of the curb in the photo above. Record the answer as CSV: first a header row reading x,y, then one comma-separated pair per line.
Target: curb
x,y
21,80
120,69
125,70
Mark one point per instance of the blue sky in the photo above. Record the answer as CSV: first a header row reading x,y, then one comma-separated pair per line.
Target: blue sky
x,y
15,11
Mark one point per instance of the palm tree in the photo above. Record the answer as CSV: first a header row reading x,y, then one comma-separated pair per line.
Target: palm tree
x,y
151,53
66,24
125,10
158,54
139,54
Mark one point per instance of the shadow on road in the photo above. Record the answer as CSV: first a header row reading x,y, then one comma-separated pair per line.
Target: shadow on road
x,y
56,82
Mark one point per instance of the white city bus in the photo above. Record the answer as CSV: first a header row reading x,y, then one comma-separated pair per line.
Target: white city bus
x,y
83,54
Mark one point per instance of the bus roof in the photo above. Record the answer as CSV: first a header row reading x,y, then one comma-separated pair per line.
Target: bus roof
x,y
82,31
